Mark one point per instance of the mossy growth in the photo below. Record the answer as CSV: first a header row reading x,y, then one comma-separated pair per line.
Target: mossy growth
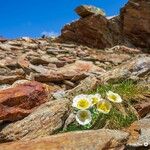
x,y
127,89
121,115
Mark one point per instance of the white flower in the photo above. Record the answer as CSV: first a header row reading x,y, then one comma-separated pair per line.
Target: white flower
x,y
82,102
95,98
114,97
104,106
83,117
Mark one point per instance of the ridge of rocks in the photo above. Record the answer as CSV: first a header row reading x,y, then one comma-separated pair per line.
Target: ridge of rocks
x,y
131,27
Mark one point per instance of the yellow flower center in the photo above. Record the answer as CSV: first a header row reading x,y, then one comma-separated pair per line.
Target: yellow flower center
x,y
113,97
94,100
83,104
83,115
104,107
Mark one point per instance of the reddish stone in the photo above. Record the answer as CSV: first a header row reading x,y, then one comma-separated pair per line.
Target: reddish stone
x,y
2,39
143,108
17,102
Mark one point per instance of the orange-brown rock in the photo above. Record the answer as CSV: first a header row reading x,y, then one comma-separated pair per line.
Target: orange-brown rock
x,y
131,27
2,39
83,140
17,102
143,107
93,31
75,71
135,18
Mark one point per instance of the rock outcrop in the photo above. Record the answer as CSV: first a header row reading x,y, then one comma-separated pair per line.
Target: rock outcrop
x,y
131,27
135,19
94,31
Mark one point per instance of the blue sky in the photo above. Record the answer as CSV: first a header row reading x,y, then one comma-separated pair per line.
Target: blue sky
x,y
33,17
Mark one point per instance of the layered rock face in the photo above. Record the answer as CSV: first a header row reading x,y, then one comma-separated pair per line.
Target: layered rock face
x,y
131,27
135,18
94,31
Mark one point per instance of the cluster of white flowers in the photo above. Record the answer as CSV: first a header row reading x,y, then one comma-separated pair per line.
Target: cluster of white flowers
x,y
83,103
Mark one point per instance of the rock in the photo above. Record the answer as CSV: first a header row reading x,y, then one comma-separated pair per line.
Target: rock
x,y
4,86
125,49
93,31
27,39
135,69
44,121
30,46
79,68
75,71
142,138
136,23
113,58
10,79
8,47
8,62
23,62
19,101
143,106
85,10
103,139
2,39
86,85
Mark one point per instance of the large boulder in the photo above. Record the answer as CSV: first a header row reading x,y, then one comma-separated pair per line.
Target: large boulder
x,y
85,10
19,101
93,31
135,18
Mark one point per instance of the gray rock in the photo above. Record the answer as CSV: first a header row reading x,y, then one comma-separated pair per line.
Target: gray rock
x,y
143,139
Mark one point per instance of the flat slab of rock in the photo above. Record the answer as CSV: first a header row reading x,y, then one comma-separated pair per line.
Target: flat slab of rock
x,y
133,69
86,140
75,71
86,10
19,101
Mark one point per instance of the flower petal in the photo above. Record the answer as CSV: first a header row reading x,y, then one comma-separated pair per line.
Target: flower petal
x,y
83,117
114,97
82,102
95,98
104,106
